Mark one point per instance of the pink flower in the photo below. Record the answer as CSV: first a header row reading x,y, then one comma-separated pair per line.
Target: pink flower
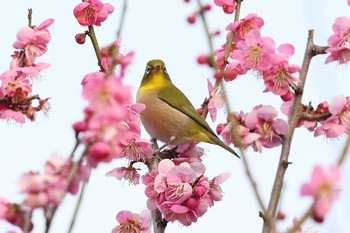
x,y
181,213
247,137
233,70
340,107
324,188
215,192
133,223
280,75
128,173
10,114
339,122
216,100
92,12
339,42
33,40
262,121
12,81
105,93
135,149
228,6
245,25
255,52
98,152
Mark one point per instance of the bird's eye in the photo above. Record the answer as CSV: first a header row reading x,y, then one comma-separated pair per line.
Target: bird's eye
x,y
164,69
148,69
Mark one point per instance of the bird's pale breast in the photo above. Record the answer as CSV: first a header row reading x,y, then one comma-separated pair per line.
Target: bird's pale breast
x,y
162,121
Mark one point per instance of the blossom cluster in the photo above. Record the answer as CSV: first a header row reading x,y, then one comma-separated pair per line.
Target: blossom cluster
x,y
258,128
181,192
44,190
111,125
16,98
251,51
329,119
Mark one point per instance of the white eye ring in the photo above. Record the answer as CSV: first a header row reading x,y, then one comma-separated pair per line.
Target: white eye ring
x,y
148,69
164,70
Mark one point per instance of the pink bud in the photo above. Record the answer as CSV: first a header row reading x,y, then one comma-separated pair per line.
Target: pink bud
x,y
199,191
80,38
287,97
192,203
79,126
202,59
322,108
220,128
206,7
191,19
99,151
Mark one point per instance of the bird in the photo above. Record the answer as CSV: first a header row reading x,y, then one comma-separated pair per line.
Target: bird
x,y
169,115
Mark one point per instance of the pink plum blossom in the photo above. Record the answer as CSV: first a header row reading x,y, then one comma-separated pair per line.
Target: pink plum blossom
x,y
228,6
133,223
245,25
255,52
339,122
176,212
33,40
339,42
105,93
128,173
324,188
11,81
92,12
280,75
237,119
262,120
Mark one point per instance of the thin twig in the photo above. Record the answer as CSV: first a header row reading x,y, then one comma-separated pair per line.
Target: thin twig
x,y
77,207
122,19
30,15
94,42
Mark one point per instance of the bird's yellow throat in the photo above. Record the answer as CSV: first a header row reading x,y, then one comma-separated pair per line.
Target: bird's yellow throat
x,y
155,80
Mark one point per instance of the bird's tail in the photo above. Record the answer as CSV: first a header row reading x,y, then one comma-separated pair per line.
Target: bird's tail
x,y
215,140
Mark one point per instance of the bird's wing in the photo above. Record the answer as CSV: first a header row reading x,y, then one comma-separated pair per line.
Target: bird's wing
x,y
183,105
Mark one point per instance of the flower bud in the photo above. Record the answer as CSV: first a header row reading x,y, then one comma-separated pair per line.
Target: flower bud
x,y
80,38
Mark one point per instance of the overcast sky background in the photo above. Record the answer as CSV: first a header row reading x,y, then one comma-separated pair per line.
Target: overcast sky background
x,y
158,29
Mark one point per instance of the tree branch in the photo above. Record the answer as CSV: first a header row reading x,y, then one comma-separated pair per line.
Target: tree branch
x,y
310,51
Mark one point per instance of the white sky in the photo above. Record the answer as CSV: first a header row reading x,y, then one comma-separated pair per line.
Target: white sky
x,y
158,29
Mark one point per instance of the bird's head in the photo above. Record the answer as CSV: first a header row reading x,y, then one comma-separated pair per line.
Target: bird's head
x,y
155,75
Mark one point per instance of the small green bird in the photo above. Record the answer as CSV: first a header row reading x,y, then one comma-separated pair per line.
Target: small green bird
x,y
169,115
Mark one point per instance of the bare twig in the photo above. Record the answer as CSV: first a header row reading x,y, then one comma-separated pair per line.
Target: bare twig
x,y
122,18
